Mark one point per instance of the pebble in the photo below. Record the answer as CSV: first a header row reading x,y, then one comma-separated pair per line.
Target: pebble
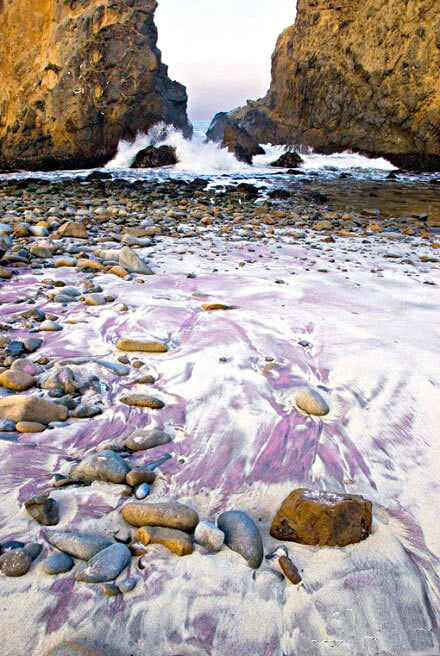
x,y
128,584
79,545
142,491
310,401
102,466
176,541
290,571
208,535
212,307
58,563
169,514
242,536
12,544
142,440
83,411
106,565
73,649
31,408
133,345
49,326
43,509
111,590
15,562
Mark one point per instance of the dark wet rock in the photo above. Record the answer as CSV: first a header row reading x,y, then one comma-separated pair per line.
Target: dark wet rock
x,y
30,408
33,549
83,411
7,425
217,126
208,535
242,536
9,545
142,440
79,545
15,562
106,565
169,514
322,518
176,541
43,509
102,466
241,144
289,160
155,157
58,563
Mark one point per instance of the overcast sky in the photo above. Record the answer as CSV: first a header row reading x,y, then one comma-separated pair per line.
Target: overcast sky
x,y
221,49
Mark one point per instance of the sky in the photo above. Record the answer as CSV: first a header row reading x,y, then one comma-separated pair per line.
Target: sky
x,y
221,49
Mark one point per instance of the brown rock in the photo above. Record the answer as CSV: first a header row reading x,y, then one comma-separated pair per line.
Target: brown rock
x,y
334,91
153,157
80,80
322,518
90,265
20,407
240,143
212,307
169,514
178,542
289,570
16,562
43,509
18,381
139,475
142,440
71,229
143,401
130,345
30,427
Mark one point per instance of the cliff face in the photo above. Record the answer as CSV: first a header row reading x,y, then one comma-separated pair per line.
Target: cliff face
x,y
359,74
78,75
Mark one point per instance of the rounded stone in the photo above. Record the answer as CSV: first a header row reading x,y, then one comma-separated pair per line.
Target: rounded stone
x,y
58,563
311,402
131,345
242,536
142,491
105,465
208,535
15,562
106,565
17,381
142,440
143,401
43,509
30,427
139,475
78,545
20,407
128,584
169,514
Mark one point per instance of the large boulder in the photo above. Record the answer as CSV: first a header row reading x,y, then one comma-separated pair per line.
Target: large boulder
x,y
322,518
155,157
334,91
85,76
241,144
288,160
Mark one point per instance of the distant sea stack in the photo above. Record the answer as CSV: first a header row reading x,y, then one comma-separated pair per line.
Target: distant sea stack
x,y
76,76
360,75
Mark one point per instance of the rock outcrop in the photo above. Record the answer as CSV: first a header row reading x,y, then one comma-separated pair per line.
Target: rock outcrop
x,y
360,75
76,76
225,130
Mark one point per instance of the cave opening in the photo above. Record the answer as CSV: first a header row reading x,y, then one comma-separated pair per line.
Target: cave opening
x,y
221,51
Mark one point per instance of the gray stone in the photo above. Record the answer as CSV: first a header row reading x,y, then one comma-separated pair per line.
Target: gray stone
x,y
106,565
132,262
127,585
102,466
58,563
242,536
33,549
142,440
209,536
79,545
142,491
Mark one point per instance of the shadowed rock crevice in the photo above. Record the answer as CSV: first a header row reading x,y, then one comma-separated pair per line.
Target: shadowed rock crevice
x,y
356,75
76,77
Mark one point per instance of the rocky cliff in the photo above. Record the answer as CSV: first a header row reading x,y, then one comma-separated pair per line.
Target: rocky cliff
x,y
78,75
356,74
